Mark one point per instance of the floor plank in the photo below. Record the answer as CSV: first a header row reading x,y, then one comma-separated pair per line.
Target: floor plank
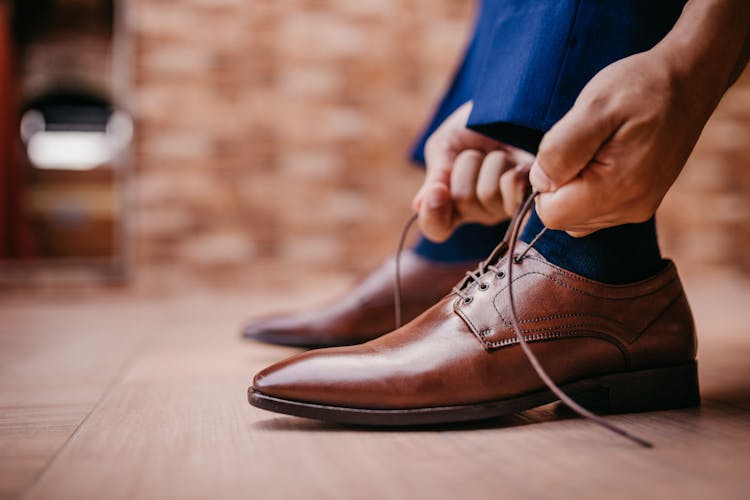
x,y
56,361
176,424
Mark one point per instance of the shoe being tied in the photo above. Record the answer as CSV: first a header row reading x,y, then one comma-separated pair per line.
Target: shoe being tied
x,y
367,310
617,348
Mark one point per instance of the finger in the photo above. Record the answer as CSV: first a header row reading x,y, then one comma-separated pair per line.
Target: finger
x,y
513,185
571,144
441,150
439,159
488,191
435,214
518,156
575,204
463,184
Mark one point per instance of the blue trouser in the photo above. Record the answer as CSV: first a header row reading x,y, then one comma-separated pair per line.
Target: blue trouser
x,y
525,64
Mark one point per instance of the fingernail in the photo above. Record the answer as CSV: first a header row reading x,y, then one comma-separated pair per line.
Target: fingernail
x,y
434,199
539,179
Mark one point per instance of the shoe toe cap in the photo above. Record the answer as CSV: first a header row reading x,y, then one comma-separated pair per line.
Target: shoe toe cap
x,y
325,376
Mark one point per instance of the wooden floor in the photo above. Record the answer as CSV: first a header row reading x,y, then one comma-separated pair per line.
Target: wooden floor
x,y
109,396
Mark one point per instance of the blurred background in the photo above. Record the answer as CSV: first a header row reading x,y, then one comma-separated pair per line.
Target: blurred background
x,y
158,144
170,168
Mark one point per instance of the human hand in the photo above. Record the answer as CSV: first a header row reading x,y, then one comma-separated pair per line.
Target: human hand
x,y
611,159
469,178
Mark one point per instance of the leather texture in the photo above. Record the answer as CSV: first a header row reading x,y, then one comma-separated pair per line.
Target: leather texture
x,y
462,351
367,310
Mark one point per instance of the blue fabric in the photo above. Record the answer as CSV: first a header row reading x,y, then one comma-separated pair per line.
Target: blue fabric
x,y
528,60
525,64
616,255
469,242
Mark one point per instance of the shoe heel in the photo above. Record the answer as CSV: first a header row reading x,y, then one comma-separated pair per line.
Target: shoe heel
x,y
646,390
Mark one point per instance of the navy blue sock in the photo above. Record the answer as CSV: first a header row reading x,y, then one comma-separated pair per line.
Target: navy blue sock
x,y
468,242
617,255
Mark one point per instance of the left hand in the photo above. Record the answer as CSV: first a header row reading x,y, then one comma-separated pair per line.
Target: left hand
x,y
611,159
469,178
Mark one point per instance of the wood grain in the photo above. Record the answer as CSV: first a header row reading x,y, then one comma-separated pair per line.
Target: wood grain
x,y
173,421
56,361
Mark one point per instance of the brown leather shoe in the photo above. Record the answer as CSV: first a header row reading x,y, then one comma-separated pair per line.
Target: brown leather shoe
x,y
367,311
615,348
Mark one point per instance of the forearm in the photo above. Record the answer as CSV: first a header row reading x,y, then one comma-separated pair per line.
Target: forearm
x,y
709,46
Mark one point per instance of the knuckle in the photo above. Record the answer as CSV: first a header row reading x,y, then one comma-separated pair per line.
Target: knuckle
x,y
519,178
510,204
469,155
597,102
463,197
498,156
488,195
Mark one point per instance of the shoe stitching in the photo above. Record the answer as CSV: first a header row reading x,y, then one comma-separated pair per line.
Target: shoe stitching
x,y
551,328
462,314
486,331
582,292
599,283
560,335
507,322
481,335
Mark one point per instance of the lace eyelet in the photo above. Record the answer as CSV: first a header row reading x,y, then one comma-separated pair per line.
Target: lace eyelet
x,y
467,300
500,275
483,286
517,258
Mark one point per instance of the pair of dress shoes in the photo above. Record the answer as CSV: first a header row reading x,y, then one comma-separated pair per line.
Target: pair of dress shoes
x,y
615,348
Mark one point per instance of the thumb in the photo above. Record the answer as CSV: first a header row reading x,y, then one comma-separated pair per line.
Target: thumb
x,y
570,145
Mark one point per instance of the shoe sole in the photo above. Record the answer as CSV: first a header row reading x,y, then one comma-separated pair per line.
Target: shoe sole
x,y
629,392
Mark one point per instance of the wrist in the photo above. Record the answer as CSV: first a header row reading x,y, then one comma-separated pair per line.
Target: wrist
x,y
698,81
703,51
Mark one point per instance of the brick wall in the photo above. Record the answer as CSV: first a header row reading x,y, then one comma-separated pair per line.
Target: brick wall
x,y
705,218
277,130
273,132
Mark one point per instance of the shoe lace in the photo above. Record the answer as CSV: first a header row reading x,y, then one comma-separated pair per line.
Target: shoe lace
x,y
492,264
